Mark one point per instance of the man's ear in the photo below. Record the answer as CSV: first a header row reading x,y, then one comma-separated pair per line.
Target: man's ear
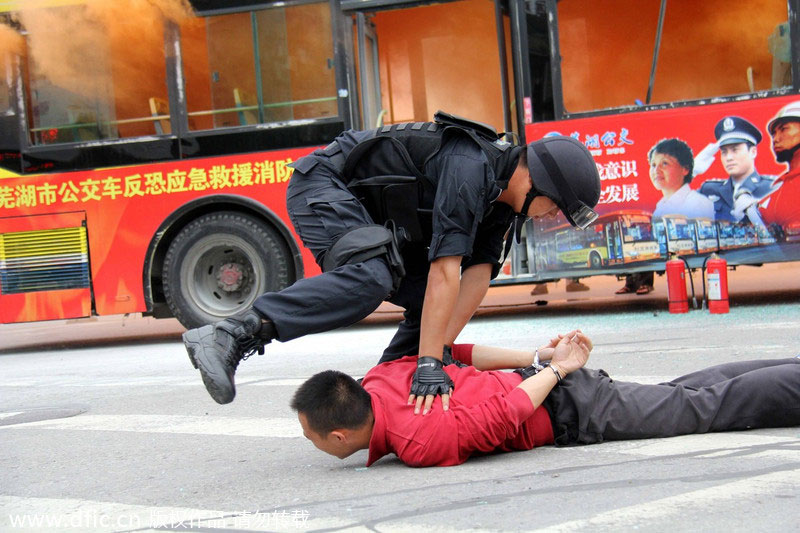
x,y
340,435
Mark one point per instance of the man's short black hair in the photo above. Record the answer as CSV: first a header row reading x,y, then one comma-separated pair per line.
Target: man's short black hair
x,y
523,158
677,149
332,400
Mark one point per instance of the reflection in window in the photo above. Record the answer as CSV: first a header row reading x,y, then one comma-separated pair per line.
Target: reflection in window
x,y
636,232
591,236
706,229
679,229
725,229
607,53
93,84
563,241
263,66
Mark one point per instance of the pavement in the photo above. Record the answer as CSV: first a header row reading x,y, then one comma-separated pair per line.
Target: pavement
x,y
120,435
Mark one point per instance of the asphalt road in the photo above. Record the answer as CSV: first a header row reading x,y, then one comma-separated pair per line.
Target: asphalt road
x,y
121,436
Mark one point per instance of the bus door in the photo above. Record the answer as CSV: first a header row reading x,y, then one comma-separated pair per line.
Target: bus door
x,y
614,242
369,77
410,62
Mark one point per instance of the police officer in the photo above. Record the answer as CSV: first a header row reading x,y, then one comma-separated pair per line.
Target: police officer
x,y
734,198
449,189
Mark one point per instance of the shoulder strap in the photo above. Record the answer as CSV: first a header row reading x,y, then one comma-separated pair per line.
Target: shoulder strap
x,y
480,128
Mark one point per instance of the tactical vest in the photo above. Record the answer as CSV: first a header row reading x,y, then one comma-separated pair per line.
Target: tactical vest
x,y
386,172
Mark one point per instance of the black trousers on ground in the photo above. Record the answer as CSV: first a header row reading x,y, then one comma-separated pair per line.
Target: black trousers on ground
x,y
589,407
321,209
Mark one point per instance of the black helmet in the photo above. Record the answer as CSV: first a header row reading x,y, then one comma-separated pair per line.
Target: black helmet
x,y
562,169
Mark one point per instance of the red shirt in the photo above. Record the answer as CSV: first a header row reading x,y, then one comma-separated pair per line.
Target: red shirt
x,y
488,413
783,206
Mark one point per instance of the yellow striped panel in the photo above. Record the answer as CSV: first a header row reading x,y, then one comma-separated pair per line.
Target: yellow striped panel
x,y
44,260
42,243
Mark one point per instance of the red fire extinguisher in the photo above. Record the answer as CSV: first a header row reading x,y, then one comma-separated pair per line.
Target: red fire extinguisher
x,y
676,286
717,277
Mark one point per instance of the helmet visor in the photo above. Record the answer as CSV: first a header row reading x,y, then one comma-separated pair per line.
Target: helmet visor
x,y
581,215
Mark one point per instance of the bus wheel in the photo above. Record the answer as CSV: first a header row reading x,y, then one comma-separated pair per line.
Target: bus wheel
x,y
219,264
595,261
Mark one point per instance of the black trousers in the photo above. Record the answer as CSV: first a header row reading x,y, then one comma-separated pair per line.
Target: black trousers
x,y
589,407
637,279
321,209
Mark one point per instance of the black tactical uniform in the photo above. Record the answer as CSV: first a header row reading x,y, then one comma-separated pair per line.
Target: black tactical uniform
x,y
457,218
376,208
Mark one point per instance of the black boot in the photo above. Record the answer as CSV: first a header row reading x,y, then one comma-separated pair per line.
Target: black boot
x,y
216,350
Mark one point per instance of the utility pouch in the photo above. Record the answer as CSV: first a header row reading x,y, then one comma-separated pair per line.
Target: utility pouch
x,y
382,175
393,198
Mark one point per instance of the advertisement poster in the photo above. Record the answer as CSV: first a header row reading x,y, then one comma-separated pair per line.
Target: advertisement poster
x,y
688,181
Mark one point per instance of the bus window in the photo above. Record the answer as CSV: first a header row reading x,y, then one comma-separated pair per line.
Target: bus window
x,y
263,66
746,47
86,78
541,79
440,56
7,77
5,98
637,231
593,236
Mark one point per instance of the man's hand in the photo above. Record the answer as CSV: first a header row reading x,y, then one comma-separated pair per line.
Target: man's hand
x,y
546,350
428,381
572,351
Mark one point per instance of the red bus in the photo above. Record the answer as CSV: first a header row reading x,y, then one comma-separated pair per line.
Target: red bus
x,y
144,145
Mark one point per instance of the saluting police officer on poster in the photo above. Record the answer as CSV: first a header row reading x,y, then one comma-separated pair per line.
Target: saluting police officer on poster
x,y
734,198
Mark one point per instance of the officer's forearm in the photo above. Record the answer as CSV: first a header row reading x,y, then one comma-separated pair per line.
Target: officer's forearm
x,y
472,290
440,300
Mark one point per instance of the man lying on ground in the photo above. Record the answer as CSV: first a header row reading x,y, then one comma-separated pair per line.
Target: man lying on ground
x,y
561,403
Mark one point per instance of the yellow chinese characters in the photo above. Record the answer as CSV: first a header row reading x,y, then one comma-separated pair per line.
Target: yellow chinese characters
x,y
111,187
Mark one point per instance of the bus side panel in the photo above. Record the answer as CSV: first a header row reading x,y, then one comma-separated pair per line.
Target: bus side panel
x,y
124,207
49,305
117,264
620,143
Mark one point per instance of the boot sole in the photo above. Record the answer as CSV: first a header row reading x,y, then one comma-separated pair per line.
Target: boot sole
x,y
193,340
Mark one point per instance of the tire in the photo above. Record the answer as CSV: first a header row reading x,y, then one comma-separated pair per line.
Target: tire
x,y
219,263
595,261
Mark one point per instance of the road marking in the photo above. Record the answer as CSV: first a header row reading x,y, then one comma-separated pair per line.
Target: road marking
x,y
252,381
192,425
625,518
712,444
88,515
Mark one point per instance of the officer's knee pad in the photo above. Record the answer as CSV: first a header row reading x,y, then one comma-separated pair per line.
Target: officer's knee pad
x,y
364,243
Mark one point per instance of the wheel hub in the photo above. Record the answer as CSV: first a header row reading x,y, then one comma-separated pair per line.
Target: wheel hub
x,y
230,277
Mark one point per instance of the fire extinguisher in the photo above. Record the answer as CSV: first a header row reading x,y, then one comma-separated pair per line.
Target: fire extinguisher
x,y
717,276
676,286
